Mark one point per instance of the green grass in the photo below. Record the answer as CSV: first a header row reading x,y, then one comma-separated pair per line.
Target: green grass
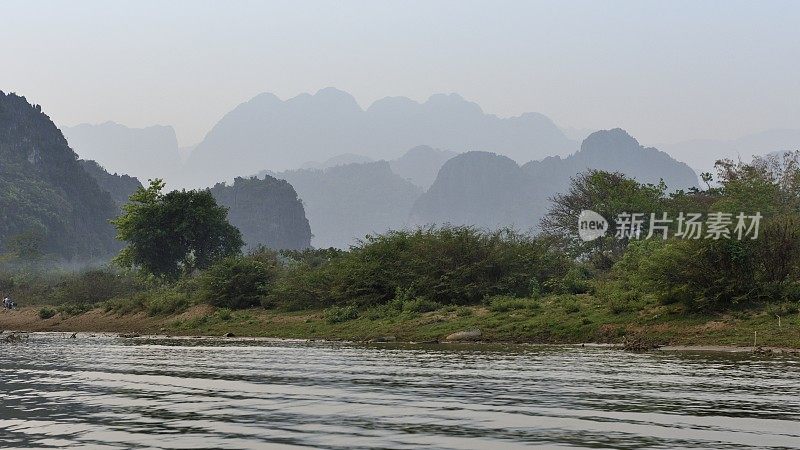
x,y
555,319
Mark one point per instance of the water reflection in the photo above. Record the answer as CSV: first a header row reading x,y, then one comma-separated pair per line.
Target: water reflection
x,y
105,392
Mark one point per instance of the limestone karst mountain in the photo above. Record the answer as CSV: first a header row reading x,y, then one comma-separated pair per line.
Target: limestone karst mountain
x,y
273,134
344,203
267,211
144,153
421,164
47,198
120,187
491,191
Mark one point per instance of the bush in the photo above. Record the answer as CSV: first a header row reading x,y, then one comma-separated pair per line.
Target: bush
x,y
238,282
168,302
338,314
46,313
449,265
421,305
94,286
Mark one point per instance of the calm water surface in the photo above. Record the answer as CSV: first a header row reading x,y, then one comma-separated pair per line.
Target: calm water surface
x,y
107,392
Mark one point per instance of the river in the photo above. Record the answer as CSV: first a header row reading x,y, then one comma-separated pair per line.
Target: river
x,y
109,392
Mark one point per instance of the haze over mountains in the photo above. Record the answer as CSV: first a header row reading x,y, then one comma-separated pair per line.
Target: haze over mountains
x,y
144,153
396,164
702,153
273,134
491,191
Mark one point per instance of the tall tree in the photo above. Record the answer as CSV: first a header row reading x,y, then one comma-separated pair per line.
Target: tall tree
x,y
174,232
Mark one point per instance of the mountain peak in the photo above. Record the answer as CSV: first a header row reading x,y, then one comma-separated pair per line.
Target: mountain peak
x,y
615,137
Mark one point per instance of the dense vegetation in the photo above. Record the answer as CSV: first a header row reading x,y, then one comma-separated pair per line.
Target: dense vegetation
x,y
51,207
570,287
173,233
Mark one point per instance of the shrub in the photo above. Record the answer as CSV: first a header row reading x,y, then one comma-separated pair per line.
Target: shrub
x,y
238,282
421,305
338,314
94,286
449,265
168,302
46,313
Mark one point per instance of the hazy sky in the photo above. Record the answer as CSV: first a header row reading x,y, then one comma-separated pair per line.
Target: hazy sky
x,y
664,70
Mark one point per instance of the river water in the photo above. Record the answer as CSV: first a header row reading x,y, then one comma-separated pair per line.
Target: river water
x,y
108,392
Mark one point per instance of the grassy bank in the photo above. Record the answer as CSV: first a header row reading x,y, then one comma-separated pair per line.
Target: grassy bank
x,y
556,319
422,285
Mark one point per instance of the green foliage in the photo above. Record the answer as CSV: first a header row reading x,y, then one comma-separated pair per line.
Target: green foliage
x,y
46,313
338,314
174,232
505,304
421,305
607,194
94,286
239,282
448,265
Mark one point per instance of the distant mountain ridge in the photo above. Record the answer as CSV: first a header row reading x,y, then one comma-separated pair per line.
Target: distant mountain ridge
x,y
344,203
144,153
270,133
490,191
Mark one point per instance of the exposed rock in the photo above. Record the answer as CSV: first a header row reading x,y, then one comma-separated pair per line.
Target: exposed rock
x,y
267,211
468,335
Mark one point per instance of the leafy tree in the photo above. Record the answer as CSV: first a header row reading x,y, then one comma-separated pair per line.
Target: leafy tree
x,y
174,232
607,194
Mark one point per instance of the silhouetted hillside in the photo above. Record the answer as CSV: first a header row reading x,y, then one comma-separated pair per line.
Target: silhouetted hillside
x,y
267,211
270,133
344,203
476,188
614,151
145,153
45,192
338,160
421,164
120,187
490,191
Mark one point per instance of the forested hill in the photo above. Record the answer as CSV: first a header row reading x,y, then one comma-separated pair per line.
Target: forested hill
x,y
47,199
267,211
121,187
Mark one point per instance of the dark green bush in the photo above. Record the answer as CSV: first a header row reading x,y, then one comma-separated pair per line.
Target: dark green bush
x,y
449,265
94,286
46,313
238,282
421,305
338,314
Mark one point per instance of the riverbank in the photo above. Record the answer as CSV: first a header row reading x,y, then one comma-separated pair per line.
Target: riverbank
x,y
580,321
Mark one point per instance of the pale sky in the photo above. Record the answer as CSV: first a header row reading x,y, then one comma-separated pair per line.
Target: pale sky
x,y
664,70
